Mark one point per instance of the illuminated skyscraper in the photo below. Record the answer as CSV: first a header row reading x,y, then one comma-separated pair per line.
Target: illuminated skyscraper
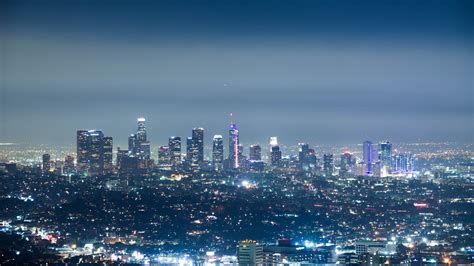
x,y
141,130
275,157
108,154
189,149
69,168
255,152
174,144
217,152
233,146
197,147
46,163
328,164
91,149
306,157
275,153
133,144
82,143
347,162
164,156
385,154
369,157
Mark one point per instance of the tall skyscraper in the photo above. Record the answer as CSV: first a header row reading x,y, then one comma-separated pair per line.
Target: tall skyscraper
x,y
82,143
138,145
197,147
275,153
217,152
164,156
369,157
233,146
328,164
174,143
189,149
108,154
347,162
141,130
385,155
46,163
305,157
69,168
91,149
275,156
255,152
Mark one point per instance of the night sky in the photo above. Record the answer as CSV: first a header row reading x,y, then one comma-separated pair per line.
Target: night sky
x,y
314,71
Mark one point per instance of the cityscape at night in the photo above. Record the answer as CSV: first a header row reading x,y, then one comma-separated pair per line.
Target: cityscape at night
x,y
261,132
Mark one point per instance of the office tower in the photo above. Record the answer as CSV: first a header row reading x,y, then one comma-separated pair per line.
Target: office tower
x,y
69,168
197,147
90,151
175,150
133,144
138,145
305,157
249,252
347,162
369,157
233,146
255,152
82,140
164,156
141,130
385,155
46,163
108,154
121,156
328,164
217,152
275,155
189,149
96,152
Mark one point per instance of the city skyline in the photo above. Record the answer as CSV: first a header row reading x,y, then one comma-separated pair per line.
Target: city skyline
x,y
308,70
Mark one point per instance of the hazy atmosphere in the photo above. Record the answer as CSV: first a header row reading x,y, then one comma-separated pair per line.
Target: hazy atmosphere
x,y
314,71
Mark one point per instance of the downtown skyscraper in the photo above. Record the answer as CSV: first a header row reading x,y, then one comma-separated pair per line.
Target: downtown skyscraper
x,y
217,152
94,152
174,144
233,146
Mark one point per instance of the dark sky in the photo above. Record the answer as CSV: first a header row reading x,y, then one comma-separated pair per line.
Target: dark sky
x,y
314,71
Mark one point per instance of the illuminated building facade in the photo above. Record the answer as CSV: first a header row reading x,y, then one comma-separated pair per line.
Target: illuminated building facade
x,y
217,152
174,143
233,146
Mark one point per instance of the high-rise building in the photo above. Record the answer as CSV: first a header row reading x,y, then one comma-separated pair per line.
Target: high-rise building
x,y
306,157
108,154
138,145
133,144
217,152
189,149
164,156
328,164
91,148
233,146
347,162
255,152
46,163
275,156
69,168
385,156
369,157
82,144
141,130
249,252
174,143
197,147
